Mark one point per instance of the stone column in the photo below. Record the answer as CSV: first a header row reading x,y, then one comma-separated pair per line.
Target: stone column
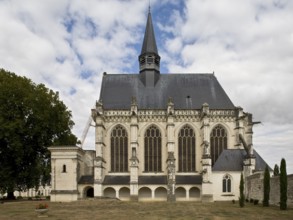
x,y
98,117
171,181
207,185
134,148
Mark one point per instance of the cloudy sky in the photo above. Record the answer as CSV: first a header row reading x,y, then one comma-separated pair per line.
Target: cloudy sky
x,y
68,44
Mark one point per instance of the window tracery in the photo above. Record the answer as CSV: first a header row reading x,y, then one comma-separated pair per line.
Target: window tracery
x,y
226,184
119,149
186,149
152,150
218,141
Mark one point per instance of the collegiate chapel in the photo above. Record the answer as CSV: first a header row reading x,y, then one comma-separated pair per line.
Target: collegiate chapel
x,y
159,137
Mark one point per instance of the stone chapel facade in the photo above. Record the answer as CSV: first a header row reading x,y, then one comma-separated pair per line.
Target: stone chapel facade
x,y
162,137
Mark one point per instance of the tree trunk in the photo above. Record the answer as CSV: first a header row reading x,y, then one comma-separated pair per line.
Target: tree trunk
x,y
10,196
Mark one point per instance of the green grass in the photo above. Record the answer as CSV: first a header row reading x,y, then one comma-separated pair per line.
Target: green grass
x,y
113,209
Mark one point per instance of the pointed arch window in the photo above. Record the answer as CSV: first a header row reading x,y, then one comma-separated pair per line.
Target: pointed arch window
x,y
119,149
152,150
186,149
218,140
227,184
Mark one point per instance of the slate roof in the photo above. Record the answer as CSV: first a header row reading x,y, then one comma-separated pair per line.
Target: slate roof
x,y
89,179
149,42
152,180
232,160
116,180
189,91
124,180
189,179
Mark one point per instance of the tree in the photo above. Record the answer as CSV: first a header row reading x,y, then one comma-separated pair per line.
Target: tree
x,y
283,185
276,170
241,189
266,187
31,118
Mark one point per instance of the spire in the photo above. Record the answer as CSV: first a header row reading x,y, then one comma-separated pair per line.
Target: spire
x,y
149,59
149,41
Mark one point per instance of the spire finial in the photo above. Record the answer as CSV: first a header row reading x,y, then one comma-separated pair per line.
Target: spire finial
x,y
149,6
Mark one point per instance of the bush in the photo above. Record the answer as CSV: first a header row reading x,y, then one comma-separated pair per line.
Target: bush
x,y
233,201
48,197
241,189
251,200
19,197
283,185
266,187
255,202
246,200
29,198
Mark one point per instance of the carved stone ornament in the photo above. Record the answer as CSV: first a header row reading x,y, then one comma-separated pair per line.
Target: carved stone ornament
x,y
170,109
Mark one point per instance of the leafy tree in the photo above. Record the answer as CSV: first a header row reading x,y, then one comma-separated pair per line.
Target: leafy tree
x,y
283,185
266,187
31,118
241,189
276,170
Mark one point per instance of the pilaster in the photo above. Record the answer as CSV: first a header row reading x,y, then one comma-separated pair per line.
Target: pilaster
x,y
170,146
134,148
171,178
207,185
98,117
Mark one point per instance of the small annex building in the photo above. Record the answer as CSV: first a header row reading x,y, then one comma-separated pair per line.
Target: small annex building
x,y
161,137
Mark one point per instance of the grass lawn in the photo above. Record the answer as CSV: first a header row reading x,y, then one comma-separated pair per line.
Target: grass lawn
x,y
114,209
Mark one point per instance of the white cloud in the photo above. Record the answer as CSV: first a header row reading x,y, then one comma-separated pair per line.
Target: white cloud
x,y
249,46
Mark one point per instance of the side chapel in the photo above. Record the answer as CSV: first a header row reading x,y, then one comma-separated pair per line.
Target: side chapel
x,y
161,137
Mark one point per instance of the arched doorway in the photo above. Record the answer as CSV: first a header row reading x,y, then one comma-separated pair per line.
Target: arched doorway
x,y
180,193
89,192
161,193
144,193
110,192
194,193
124,193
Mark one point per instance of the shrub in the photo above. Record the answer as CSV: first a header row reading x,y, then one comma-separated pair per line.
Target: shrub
x,y
19,197
255,202
283,185
266,187
251,200
276,170
241,189
233,201
29,198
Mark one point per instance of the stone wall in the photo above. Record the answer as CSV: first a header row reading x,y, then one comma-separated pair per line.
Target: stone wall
x,y
254,188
